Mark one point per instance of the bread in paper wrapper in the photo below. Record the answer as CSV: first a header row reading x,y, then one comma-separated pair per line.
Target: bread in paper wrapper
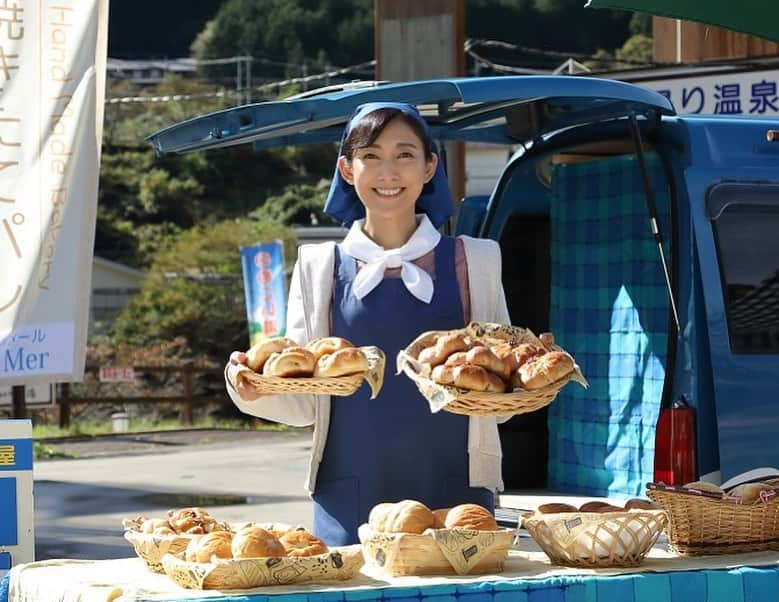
x,y
436,551
339,564
596,539
338,385
481,403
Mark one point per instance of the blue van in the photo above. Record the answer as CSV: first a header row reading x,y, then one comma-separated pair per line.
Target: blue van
x,y
647,241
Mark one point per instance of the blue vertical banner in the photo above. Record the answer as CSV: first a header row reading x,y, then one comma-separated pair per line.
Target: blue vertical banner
x,y
265,290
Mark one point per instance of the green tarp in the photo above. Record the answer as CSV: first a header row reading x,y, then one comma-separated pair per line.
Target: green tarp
x,y
756,17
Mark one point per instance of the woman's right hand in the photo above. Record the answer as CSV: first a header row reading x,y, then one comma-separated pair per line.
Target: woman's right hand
x,y
246,391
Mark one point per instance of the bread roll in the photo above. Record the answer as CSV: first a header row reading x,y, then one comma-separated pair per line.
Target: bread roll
x,y
639,504
545,369
443,374
291,363
476,378
505,353
440,518
409,516
191,521
472,517
444,346
752,493
217,543
599,507
256,542
151,525
704,486
377,518
301,543
525,352
327,345
341,363
554,508
456,359
259,353
482,356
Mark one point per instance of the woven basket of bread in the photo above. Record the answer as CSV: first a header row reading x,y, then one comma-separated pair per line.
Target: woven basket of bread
x,y
407,538
596,539
325,366
706,520
153,538
496,370
338,564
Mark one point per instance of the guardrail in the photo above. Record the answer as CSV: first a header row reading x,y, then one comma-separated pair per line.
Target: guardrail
x,y
187,397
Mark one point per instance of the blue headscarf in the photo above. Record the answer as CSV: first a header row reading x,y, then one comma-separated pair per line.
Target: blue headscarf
x,y
435,200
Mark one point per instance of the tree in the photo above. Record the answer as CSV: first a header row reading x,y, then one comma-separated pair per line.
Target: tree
x,y
284,34
637,49
194,290
298,205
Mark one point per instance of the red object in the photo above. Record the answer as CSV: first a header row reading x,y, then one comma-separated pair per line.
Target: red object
x,y
675,445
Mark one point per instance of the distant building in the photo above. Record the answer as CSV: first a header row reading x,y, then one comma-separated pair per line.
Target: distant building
x,y
113,287
149,73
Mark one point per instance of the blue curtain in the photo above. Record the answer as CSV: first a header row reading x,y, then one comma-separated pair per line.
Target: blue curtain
x,y
610,309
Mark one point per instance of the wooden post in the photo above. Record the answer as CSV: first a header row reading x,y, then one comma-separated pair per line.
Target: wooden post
x,y
186,380
424,39
19,401
64,401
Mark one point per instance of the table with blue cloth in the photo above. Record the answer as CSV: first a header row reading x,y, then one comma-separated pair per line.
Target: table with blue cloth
x,y
528,577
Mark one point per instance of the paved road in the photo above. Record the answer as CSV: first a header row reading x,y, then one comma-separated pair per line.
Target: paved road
x,y
80,504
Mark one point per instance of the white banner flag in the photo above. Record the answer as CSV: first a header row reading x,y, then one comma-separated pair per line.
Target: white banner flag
x,y
52,87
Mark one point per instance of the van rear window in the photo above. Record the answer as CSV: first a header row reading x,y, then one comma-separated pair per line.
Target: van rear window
x,y
748,249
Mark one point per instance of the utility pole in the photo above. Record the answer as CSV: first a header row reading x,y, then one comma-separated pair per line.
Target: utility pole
x,y
424,39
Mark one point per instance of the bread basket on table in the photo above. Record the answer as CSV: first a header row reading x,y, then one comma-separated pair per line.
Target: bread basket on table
x,y
337,385
151,547
338,564
596,539
481,403
707,522
436,551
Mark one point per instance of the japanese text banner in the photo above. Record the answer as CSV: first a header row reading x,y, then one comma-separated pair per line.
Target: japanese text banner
x,y
52,85
265,290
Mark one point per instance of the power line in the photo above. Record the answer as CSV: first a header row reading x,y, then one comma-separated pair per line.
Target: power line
x,y
360,67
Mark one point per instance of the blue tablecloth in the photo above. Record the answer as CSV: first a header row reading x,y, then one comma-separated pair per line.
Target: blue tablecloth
x,y
742,584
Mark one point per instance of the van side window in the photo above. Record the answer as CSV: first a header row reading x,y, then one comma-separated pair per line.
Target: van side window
x,y
748,250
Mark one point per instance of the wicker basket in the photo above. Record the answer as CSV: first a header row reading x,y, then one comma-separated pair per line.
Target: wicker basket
x,y
340,385
710,523
480,403
596,539
338,564
436,551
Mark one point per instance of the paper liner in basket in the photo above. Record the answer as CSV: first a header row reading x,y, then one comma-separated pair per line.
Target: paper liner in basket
x,y
151,548
596,539
339,564
339,385
450,398
436,551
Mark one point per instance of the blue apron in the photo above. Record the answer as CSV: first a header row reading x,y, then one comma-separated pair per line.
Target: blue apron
x,y
391,448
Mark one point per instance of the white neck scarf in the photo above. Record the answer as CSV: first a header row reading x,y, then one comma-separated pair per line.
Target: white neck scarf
x,y
377,259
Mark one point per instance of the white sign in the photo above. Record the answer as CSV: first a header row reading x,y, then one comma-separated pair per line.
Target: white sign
x,y
116,374
52,80
34,395
747,93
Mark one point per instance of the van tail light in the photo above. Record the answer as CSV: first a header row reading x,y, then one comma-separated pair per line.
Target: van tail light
x,y
675,462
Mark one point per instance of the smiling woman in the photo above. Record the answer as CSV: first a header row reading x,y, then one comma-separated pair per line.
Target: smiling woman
x,y
393,277
387,161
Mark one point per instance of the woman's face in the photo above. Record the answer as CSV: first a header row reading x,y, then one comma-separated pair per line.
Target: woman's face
x,y
389,175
